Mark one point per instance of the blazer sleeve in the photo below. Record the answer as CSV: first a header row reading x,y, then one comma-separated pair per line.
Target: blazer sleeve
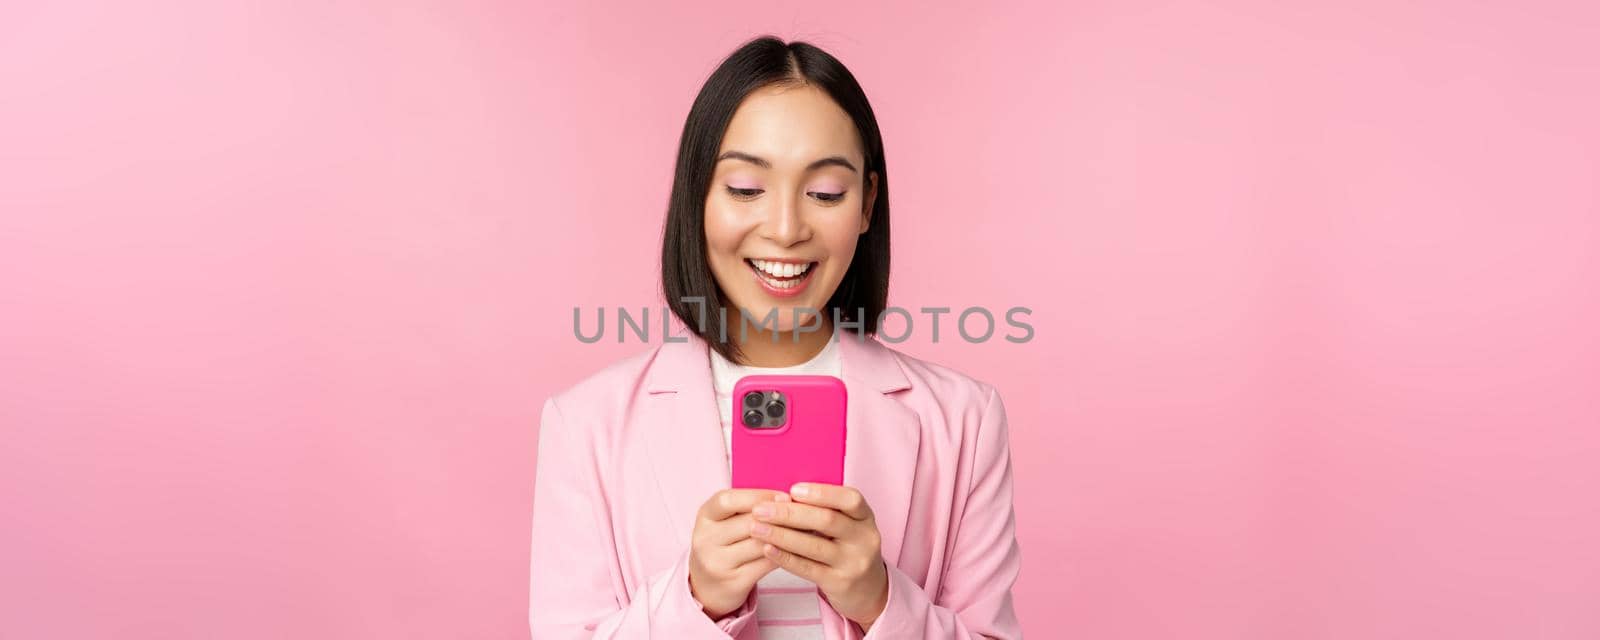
x,y
575,579
974,600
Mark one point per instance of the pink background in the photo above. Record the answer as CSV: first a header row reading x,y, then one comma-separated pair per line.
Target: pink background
x,y
1315,289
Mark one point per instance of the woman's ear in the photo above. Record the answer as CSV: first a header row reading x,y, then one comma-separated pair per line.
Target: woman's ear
x,y
869,201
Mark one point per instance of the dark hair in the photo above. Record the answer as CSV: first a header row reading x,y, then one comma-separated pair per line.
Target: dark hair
x,y
685,274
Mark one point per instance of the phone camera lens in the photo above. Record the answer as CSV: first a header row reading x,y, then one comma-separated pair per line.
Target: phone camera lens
x,y
753,399
775,409
752,418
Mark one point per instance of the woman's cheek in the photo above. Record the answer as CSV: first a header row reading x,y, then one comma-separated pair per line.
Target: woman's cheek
x,y
722,234
843,250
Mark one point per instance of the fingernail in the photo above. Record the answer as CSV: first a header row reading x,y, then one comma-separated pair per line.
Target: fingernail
x,y
761,529
764,510
799,490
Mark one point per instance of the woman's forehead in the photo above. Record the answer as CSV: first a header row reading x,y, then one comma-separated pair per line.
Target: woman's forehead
x,y
790,127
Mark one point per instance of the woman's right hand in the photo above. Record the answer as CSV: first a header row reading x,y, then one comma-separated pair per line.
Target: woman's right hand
x,y
724,561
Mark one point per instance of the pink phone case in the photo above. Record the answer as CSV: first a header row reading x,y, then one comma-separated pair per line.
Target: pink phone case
x,y
809,447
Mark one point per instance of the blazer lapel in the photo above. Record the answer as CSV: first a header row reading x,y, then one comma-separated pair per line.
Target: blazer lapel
x,y
882,436
687,454
880,458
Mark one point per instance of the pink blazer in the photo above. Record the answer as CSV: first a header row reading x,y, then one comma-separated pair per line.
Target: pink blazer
x,y
627,456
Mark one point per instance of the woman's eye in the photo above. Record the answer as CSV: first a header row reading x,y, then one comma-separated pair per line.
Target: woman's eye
x,y
748,193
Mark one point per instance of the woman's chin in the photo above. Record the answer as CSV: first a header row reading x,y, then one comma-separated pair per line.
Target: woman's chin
x,y
787,318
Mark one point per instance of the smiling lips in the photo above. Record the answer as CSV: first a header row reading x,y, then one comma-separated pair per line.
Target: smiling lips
x,y
782,278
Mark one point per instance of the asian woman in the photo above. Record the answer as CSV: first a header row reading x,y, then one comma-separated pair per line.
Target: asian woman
x,y
775,257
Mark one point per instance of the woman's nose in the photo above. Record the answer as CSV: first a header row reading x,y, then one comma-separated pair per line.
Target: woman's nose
x,y
785,224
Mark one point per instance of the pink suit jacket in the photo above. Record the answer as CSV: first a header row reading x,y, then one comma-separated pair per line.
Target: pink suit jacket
x,y
627,456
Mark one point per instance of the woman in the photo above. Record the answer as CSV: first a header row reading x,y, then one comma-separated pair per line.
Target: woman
x,y
778,224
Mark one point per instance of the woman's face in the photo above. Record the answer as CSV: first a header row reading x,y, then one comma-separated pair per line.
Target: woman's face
x,y
787,204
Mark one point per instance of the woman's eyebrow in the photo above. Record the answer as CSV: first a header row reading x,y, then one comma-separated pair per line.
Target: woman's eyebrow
x,y
762,162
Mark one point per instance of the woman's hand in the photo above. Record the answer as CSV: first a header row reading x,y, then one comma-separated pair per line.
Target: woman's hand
x,y
724,562
826,534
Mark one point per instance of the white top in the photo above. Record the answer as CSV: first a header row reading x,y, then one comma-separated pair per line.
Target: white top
x,y
788,606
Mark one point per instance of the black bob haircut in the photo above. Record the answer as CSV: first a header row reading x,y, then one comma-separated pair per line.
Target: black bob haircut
x,y
691,291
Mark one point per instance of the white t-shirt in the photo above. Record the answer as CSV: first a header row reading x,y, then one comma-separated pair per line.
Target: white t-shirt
x,y
788,606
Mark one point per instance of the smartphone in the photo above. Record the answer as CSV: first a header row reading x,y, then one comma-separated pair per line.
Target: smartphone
x,y
788,429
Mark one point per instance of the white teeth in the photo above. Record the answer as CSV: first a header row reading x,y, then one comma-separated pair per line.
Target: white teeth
x,y
770,271
779,284
781,269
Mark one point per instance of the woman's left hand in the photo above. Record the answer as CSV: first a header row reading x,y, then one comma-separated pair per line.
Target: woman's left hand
x,y
839,553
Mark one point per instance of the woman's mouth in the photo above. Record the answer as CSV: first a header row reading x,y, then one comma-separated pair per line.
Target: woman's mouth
x,y
781,279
